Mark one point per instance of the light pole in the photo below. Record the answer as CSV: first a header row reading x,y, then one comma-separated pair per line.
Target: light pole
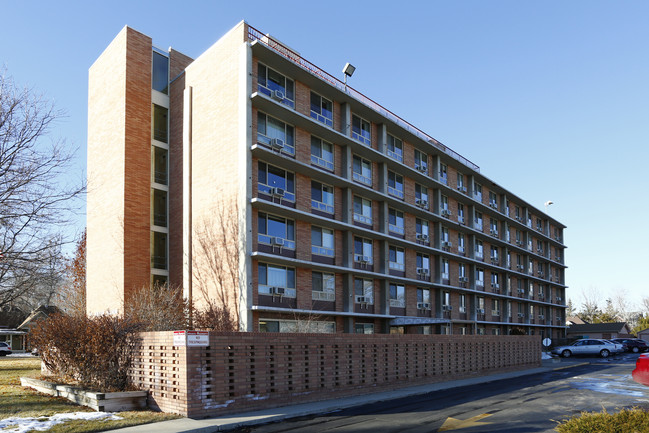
x,y
548,203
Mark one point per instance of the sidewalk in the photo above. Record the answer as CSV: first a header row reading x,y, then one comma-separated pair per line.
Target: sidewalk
x,y
229,422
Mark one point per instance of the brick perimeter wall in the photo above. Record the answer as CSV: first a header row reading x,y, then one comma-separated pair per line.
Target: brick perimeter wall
x,y
240,372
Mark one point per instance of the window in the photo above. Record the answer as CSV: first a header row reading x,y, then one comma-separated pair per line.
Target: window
x,y
530,269
480,305
461,272
460,213
423,265
446,300
445,237
395,184
462,303
363,251
443,173
494,255
479,277
539,224
477,191
397,295
322,197
363,291
322,153
275,133
307,326
509,309
421,161
276,280
361,130
322,241
423,299
460,243
519,238
443,204
479,250
495,280
364,328
396,258
517,213
493,200
362,210
395,148
493,227
421,230
276,182
395,221
529,221
160,123
460,182
445,269
160,73
275,85
323,286
362,170
421,196
322,109
275,230
158,250
477,220
160,166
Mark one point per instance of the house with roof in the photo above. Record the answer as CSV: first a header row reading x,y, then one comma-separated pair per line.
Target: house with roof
x,y
644,334
599,330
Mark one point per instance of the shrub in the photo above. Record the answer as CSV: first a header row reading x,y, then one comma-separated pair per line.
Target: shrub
x,y
626,421
158,308
96,352
214,319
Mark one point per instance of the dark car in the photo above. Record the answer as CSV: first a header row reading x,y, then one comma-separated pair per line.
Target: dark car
x,y
5,349
634,345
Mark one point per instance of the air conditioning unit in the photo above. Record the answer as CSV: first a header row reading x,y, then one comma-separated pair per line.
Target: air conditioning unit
x,y
422,237
541,317
277,192
446,244
277,290
493,204
521,315
421,202
521,290
519,267
277,241
277,95
495,285
463,279
519,243
422,168
423,305
462,188
364,259
360,300
446,212
422,271
447,307
494,261
277,143
480,311
559,299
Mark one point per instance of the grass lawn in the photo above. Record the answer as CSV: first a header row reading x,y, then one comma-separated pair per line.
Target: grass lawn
x,y
16,401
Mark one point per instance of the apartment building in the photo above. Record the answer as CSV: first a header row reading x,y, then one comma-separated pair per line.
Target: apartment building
x,y
322,210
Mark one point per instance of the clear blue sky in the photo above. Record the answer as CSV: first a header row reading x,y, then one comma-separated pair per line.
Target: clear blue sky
x,y
549,98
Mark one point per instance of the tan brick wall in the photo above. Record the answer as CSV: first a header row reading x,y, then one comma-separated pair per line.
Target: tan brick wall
x,y
240,372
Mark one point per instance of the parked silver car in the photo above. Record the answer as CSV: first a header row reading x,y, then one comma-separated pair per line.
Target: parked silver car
x,y
5,349
589,346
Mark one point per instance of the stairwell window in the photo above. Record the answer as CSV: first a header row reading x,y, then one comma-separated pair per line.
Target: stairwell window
x,y
160,123
322,109
322,153
275,134
276,85
361,130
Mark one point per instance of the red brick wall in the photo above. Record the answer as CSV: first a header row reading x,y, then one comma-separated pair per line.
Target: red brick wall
x,y
239,372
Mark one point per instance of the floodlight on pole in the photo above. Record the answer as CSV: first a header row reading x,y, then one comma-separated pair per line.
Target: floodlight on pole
x,y
348,71
548,203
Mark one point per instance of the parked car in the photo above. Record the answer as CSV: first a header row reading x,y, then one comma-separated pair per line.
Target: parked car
x,y
634,345
5,349
641,372
588,346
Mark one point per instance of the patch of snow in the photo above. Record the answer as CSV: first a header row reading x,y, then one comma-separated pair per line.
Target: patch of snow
x,y
546,355
43,423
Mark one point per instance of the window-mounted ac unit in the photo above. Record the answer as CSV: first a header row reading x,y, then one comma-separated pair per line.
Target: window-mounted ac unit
x,y
277,95
361,300
493,232
495,285
521,290
541,317
480,310
277,241
277,143
559,299
277,192
462,188
521,315
421,237
422,168
493,204
423,305
447,244
421,202
422,271
364,259
277,290
447,307
446,212
463,279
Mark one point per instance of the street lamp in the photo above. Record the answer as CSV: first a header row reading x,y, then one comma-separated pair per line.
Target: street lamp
x,y
548,203
348,71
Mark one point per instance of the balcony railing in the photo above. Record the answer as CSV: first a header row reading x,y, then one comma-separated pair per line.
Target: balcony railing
x,y
284,51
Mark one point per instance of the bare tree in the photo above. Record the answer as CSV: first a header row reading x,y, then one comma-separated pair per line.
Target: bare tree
x,y
35,200
217,261
157,308
72,296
